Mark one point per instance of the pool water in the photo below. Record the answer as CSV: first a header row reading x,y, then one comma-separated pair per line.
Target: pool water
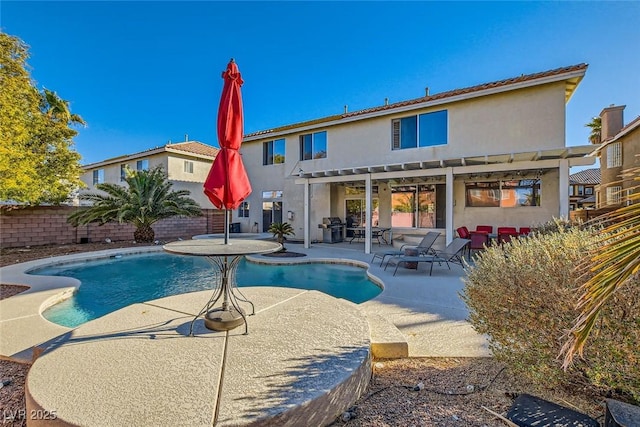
x,y
114,283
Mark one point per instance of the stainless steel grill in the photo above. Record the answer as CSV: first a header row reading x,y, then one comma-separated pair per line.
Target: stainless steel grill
x,y
332,229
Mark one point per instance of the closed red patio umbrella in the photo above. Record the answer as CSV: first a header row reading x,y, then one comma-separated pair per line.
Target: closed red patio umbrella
x,y
227,184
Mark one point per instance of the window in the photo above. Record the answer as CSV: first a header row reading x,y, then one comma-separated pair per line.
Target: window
x,y
614,195
273,152
123,172
588,191
277,194
188,166
504,194
243,210
313,146
571,190
142,165
580,190
614,155
524,192
424,130
98,176
413,206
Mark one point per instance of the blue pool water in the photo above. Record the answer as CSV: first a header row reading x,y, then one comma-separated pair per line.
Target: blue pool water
x,y
110,284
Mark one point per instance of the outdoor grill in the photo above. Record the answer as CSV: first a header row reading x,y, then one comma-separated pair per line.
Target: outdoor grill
x,y
332,229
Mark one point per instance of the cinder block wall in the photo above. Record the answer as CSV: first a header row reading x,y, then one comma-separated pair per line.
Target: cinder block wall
x,y
47,225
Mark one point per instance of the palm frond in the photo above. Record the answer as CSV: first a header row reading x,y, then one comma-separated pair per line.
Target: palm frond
x,y
609,266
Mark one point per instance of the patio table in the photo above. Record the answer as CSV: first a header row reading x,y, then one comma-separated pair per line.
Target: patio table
x,y
224,259
376,233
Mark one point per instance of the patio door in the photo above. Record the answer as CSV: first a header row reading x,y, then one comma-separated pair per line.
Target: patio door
x,y
414,206
271,212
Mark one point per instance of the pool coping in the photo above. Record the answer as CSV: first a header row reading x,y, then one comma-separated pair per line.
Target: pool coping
x,y
23,328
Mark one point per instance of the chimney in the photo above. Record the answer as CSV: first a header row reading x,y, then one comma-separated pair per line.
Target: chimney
x,y
612,121
386,101
426,91
186,137
345,109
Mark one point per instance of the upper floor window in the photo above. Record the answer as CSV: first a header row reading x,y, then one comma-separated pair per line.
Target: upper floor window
x,y
98,176
243,210
423,130
273,152
614,155
188,166
580,190
142,165
571,193
123,172
313,146
588,191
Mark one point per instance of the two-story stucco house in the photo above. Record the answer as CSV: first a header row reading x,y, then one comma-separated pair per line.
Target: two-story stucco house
x,y
619,151
185,163
493,154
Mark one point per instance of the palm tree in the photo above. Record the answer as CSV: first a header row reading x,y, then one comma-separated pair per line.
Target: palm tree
x,y
596,127
280,230
147,199
56,108
614,262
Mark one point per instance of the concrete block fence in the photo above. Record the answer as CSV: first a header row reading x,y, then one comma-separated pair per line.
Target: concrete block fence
x,y
47,225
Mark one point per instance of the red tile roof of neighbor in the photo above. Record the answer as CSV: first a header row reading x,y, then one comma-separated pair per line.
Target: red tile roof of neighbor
x,y
587,176
194,147
449,94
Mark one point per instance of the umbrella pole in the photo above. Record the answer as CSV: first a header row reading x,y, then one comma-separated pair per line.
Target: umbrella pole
x,y
226,227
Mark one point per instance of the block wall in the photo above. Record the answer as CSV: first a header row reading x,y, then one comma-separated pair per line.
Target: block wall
x,y
47,225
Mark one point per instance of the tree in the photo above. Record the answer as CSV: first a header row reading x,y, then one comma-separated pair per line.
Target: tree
x,y
596,130
613,263
147,199
280,230
37,162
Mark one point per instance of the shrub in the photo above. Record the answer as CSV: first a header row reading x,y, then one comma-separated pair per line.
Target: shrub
x,y
523,296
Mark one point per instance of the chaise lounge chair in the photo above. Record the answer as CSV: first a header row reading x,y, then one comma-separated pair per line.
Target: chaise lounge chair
x,y
452,253
423,248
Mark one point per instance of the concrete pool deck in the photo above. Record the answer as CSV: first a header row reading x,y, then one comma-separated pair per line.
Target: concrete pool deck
x,y
416,315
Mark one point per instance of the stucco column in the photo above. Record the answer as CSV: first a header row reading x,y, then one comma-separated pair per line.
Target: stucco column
x,y
306,219
563,191
449,207
367,229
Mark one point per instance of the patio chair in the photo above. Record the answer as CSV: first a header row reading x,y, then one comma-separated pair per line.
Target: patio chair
x,y
479,240
484,229
424,247
505,234
524,231
452,253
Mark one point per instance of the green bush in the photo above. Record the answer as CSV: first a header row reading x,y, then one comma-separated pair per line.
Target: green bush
x,y
523,297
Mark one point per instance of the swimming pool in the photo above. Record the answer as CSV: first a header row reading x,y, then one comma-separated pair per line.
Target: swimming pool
x,y
114,283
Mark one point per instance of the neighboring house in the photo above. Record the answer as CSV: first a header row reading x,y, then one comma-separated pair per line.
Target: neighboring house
x,y
582,187
185,163
492,154
620,150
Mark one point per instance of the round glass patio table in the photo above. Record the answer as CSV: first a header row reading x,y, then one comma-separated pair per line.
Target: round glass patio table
x,y
224,259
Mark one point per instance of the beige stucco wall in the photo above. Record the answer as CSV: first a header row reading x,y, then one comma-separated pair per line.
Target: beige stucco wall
x,y
524,216
511,122
173,165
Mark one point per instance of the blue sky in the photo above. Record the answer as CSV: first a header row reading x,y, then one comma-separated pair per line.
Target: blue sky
x,y
144,73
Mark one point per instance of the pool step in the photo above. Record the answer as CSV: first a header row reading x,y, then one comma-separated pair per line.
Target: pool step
x,y
387,342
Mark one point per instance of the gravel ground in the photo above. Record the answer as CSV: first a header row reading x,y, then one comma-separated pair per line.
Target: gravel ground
x,y
403,392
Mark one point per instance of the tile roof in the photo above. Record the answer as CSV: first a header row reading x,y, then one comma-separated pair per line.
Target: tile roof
x,y
587,176
443,95
194,147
